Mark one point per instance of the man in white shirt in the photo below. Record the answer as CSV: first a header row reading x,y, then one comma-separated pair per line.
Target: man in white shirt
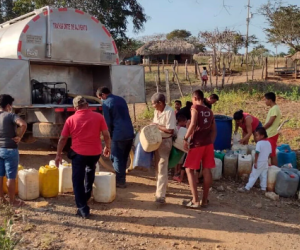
x,y
164,117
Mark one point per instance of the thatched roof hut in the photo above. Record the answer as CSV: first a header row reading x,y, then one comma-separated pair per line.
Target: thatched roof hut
x,y
181,50
166,47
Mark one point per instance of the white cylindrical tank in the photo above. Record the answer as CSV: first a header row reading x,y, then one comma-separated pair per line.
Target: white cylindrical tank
x,y
28,184
150,138
244,165
104,189
272,174
230,165
217,171
65,178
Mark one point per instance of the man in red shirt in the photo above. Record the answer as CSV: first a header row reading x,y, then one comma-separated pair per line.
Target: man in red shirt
x,y
85,128
202,131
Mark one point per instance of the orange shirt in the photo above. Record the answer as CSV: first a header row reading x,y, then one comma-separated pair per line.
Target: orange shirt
x,y
85,128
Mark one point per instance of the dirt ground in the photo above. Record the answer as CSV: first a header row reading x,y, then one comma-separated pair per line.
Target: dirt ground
x,y
135,221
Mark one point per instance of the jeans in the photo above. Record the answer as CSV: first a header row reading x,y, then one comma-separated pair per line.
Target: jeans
x,y
83,177
119,155
9,160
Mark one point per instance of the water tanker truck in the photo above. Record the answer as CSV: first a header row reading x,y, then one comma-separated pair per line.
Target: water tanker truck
x,y
50,55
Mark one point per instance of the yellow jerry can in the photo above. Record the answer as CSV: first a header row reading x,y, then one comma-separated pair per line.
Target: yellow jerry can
x,y
5,189
48,178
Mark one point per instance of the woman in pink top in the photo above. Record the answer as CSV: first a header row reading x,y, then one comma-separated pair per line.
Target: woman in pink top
x,y
248,123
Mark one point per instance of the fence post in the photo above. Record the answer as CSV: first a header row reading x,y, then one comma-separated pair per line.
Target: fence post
x,y
168,87
158,73
266,68
186,69
296,69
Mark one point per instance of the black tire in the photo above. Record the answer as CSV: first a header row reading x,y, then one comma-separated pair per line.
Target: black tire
x,y
47,130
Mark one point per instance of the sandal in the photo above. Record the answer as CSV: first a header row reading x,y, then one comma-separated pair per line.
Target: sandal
x,y
192,205
204,205
177,178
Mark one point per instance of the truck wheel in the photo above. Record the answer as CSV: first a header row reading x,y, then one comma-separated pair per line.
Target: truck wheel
x,y
47,130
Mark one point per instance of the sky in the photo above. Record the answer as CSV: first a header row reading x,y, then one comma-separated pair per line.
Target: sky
x,y
200,15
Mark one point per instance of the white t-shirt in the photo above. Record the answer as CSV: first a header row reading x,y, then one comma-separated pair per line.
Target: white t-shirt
x,y
264,149
167,119
204,73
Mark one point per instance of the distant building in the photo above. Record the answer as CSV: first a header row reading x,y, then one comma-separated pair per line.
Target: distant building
x,y
167,50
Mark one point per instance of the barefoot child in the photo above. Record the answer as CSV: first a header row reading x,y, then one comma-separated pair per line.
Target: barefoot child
x,y
204,77
260,167
180,170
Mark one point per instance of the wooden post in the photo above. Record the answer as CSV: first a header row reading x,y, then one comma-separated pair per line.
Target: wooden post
x,y
252,68
158,73
177,66
156,82
210,75
174,68
186,69
168,94
217,76
234,61
188,76
196,70
167,59
266,68
178,83
134,113
286,62
262,71
199,71
223,74
149,65
296,69
163,65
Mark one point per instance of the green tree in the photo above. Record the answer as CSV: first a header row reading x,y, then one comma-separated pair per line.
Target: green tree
x,y
179,34
129,48
284,24
282,54
292,51
7,10
259,50
22,7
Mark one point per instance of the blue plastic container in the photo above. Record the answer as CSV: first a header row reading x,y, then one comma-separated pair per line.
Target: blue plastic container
x,y
224,132
286,155
142,158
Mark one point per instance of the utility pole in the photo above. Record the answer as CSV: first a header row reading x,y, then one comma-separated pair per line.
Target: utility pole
x,y
247,38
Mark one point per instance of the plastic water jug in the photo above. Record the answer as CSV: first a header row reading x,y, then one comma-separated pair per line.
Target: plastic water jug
x,y
150,138
175,157
244,165
104,188
178,143
48,177
236,138
251,148
52,162
272,174
65,178
285,155
286,183
5,189
29,184
217,171
230,165
142,158
219,155
240,149
136,139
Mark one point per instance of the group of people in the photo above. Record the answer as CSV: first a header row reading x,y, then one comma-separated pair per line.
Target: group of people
x,y
86,128
265,136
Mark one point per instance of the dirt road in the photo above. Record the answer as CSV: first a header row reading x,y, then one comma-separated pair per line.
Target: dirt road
x,y
134,221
